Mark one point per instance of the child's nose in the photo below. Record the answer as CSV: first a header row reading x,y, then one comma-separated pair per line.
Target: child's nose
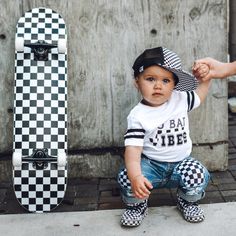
x,y
157,84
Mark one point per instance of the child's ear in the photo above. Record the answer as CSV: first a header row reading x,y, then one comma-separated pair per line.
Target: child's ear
x,y
136,82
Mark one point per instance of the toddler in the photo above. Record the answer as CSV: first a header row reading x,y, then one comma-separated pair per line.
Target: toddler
x,y
157,142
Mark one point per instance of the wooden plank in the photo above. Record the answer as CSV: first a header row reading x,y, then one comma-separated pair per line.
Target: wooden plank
x,y
94,166
90,97
10,11
214,157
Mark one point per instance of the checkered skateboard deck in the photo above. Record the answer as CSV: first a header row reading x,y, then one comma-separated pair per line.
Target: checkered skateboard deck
x,y
40,110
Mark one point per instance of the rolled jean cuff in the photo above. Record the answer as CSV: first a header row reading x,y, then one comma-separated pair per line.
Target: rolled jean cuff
x,y
129,199
191,195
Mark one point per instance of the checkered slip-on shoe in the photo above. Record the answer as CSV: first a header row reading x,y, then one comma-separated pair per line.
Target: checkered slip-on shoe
x,y
191,211
134,214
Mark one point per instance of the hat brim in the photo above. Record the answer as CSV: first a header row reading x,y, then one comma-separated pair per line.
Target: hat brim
x,y
187,82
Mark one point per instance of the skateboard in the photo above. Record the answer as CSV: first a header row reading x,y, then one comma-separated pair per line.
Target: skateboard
x,y
39,157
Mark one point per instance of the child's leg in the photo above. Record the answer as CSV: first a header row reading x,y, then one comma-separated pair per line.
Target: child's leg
x,y
193,180
137,208
155,172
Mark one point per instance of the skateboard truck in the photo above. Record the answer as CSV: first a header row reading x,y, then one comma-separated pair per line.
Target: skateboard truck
x,y
40,159
40,48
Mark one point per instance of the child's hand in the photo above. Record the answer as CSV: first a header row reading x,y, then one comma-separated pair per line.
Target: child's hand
x,y
200,71
141,187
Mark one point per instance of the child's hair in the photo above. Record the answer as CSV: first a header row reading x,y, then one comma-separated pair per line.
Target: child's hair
x,y
176,79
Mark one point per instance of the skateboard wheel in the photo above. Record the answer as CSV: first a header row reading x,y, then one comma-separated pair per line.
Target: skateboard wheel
x,y
17,159
61,45
61,159
19,44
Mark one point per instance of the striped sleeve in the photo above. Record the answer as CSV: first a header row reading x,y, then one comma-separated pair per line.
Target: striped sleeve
x,y
193,100
134,135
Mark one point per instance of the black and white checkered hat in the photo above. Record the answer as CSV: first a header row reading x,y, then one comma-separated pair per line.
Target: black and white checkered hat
x,y
169,60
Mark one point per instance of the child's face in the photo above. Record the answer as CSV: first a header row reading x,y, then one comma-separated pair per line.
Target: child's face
x,y
156,85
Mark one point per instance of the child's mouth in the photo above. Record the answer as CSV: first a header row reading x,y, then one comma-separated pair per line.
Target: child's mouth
x,y
156,94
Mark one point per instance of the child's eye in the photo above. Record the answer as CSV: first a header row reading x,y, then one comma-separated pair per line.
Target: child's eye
x,y
166,81
151,79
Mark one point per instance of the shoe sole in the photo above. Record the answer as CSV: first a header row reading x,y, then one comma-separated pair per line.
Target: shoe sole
x,y
190,219
134,223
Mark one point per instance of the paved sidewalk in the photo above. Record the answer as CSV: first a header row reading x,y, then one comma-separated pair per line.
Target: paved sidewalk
x,y
162,221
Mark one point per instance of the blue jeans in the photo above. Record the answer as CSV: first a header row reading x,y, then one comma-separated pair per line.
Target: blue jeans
x,y
189,176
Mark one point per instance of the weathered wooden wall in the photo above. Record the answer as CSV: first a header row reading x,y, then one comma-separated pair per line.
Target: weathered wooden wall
x,y
104,39
232,28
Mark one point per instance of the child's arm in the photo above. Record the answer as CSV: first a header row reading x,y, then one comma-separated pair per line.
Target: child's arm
x,y
140,185
202,89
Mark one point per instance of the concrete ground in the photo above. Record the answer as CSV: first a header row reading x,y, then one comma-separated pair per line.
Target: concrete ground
x,y
164,221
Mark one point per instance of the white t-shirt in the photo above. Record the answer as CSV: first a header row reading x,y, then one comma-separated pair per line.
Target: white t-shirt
x,y
163,131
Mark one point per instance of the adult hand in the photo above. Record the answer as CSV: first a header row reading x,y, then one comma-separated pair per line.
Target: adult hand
x,y
217,69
